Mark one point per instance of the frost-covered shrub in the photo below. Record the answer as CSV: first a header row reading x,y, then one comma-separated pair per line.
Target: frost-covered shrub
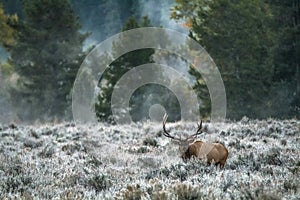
x,y
93,160
48,150
71,194
258,194
142,150
98,181
32,143
187,191
160,195
16,179
132,192
99,161
291,185
283,142
149,162
71,148
150,142
272,157
157,191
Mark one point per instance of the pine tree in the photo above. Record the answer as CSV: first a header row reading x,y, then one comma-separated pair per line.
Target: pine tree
x,y
7,40
143,97
7,33
118,68
286,78
238,36
46,57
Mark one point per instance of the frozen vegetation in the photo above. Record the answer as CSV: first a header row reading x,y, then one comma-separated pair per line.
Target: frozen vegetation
x,y
74,161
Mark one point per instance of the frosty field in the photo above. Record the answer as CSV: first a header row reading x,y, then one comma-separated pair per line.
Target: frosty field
x,y
102,161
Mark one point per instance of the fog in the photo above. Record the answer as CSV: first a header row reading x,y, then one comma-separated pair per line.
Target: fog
x,y
100,27
102,19
112,22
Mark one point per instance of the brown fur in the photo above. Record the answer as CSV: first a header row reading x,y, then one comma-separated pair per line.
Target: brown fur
x,y
195,148
214,151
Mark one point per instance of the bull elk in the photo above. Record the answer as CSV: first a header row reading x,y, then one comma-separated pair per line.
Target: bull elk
x,y
199,149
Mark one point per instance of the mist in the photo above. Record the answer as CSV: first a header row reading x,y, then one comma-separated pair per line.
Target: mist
x,y
113,16
100,20
103,19
100,27
3,54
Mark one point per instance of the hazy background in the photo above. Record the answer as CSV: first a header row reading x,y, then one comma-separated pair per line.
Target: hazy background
x,y
254,44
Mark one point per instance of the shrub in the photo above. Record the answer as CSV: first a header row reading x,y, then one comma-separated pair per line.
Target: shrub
x,y
290,185
99,182
187,191
150,142
132,192
258,194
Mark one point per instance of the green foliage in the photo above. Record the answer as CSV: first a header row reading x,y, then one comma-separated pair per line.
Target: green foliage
x,y
286,54
143,97
118,68
6,69
202,92
255,45
241,37
7,33
47,56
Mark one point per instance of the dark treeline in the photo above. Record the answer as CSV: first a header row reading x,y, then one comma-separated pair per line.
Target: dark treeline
x,y
255,45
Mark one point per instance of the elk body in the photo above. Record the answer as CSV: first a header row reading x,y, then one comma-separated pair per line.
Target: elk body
x,y
195,148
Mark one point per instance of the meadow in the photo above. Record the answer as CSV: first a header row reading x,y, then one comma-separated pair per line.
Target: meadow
x,y
135,161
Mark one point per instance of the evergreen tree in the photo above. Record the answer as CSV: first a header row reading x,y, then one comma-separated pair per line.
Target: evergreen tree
x,y
286,78
7,40
7,33
118,68
46,57
144,97
238,36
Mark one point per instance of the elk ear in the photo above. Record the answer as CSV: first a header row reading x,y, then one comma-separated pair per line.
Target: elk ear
x,y
189,141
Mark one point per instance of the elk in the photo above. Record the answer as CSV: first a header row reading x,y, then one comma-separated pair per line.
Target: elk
x,y
199,149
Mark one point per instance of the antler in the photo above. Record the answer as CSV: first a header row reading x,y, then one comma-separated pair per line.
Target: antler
x,y
166,133
198,132
199,128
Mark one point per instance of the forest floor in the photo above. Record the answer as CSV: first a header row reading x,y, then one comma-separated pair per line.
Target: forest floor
x,y
102,161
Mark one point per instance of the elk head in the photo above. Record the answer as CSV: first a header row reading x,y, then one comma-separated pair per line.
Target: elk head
x,y
199,149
